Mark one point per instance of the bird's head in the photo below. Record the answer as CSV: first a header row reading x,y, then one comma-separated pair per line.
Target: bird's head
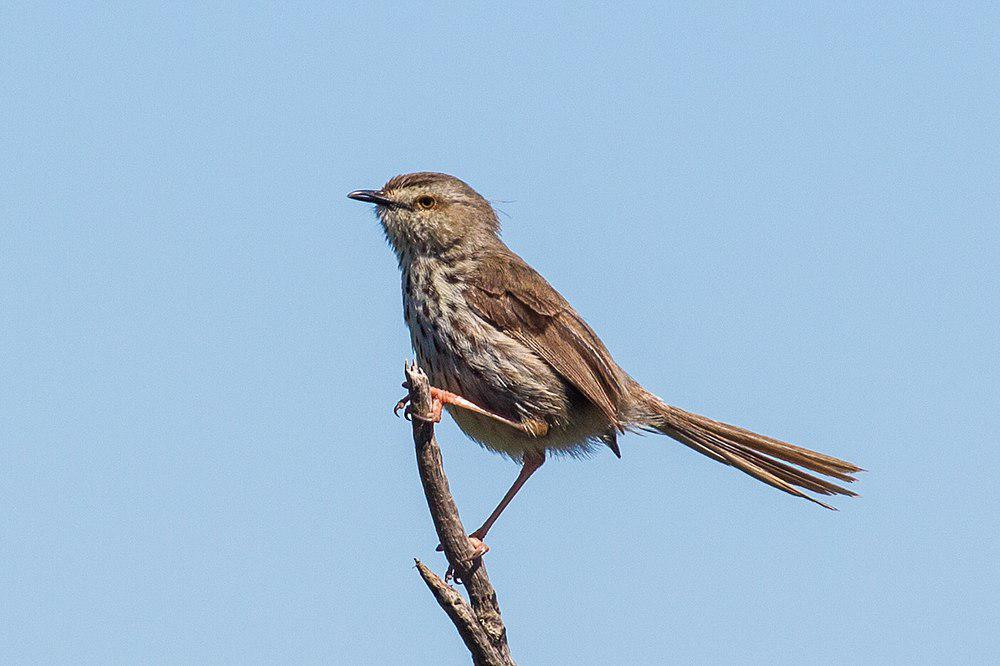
x,y
429,213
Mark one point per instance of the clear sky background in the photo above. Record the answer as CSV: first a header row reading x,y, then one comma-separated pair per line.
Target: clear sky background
x,y
782,216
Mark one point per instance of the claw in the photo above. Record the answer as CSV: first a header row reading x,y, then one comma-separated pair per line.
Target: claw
x,y
399,405
478,550
409,415
434,417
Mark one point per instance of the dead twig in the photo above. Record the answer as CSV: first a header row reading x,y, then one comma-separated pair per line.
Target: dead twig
x,y
478,621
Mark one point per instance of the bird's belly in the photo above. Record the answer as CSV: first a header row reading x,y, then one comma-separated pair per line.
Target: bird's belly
x,y
465,355
492,370
577,437
502,376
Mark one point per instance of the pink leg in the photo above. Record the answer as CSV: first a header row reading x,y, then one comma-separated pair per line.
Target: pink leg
x,y
532,461
440,398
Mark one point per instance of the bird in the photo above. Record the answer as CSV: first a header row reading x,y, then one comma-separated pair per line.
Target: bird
x,y
520,371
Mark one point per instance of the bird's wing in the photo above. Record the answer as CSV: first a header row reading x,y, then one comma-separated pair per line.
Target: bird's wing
x,y
506,292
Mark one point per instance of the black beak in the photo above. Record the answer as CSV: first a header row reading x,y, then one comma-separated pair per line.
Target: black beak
x,y
370,196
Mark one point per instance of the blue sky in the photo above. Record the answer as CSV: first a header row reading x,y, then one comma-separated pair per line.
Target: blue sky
x,y
783,216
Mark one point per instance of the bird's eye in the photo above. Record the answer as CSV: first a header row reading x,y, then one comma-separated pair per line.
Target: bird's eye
x,y
426,202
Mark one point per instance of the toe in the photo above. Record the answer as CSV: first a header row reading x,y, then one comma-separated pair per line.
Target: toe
x,y
400,405
478,548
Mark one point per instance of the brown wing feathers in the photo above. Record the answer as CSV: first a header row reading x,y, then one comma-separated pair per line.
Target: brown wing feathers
x,y
513,297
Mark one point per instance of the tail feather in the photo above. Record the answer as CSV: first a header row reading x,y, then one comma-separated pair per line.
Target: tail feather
x,y
813,460
766,459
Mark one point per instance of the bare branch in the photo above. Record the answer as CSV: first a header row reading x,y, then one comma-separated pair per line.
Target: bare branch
x,y
453,538
462,615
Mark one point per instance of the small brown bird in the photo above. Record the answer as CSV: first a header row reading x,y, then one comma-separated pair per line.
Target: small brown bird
x,y
519,370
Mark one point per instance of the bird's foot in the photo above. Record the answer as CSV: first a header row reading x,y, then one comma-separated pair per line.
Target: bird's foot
x,y
438,400
401,404
479,548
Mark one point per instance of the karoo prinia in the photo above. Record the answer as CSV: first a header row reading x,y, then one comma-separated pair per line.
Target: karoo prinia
x,y
519,370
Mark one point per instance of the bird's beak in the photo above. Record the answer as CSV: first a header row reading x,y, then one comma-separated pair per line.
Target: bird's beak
x,y
370,196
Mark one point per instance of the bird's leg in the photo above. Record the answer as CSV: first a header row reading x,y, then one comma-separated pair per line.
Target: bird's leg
x,y
532,461
440,398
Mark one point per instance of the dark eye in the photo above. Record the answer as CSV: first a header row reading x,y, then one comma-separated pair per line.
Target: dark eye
x,y
426,201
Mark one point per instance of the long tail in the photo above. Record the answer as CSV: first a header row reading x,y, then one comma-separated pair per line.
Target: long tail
x,y
764,458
